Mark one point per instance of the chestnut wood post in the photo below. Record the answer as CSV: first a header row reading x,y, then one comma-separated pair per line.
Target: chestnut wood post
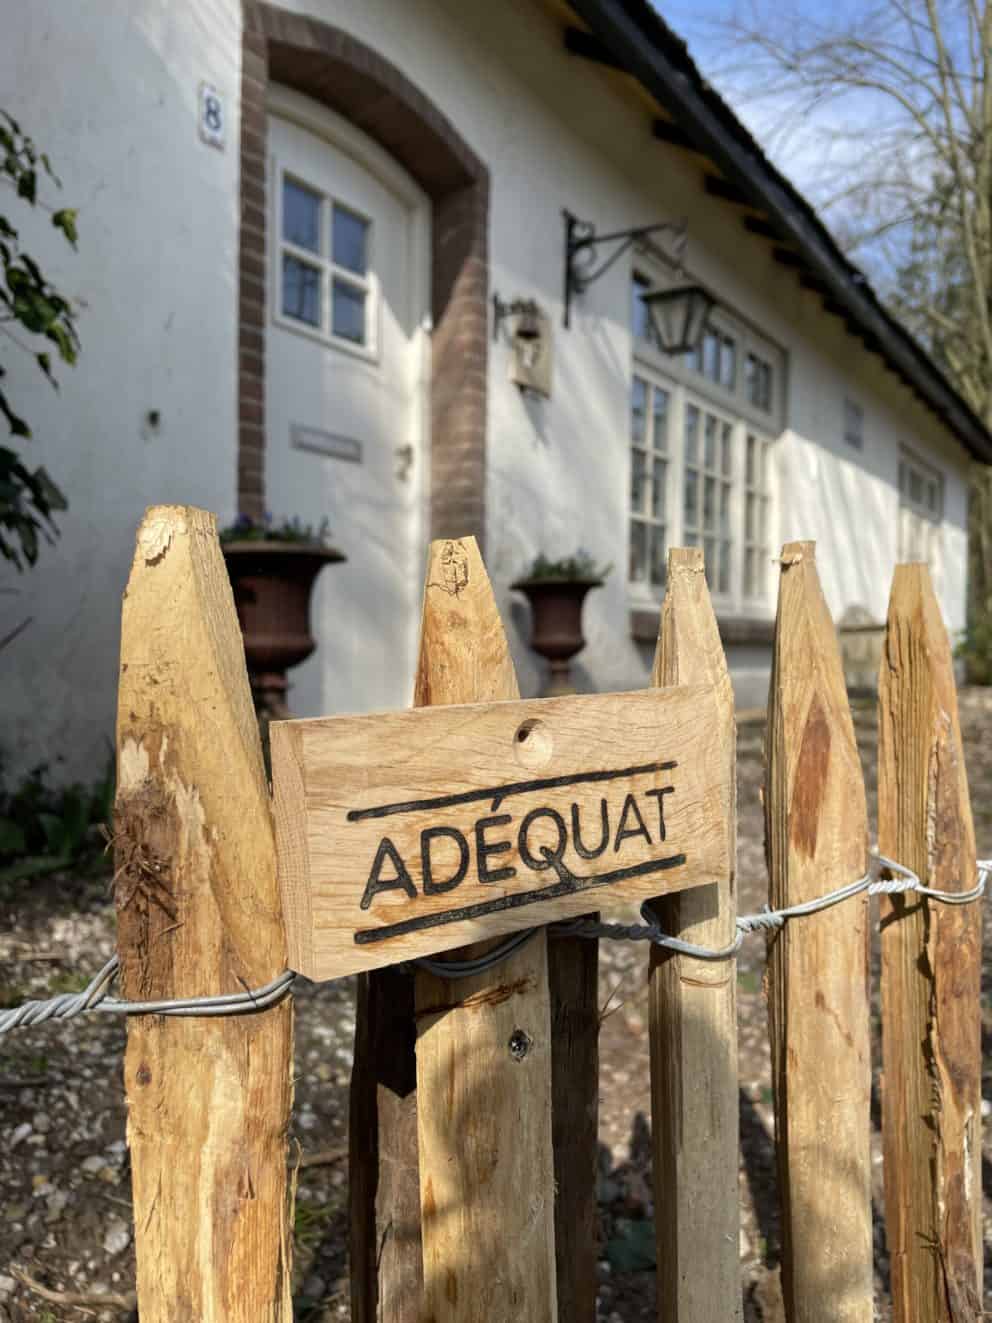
x,y
198,913
386,1259
816,834
693,1017
483,1043
931,964
573,980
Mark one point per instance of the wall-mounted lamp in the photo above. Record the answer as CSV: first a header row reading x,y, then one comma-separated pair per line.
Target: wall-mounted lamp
x,y
530,342
582,244
679,317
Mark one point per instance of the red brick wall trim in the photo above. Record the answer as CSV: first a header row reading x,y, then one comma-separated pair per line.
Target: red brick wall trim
x,y
332,67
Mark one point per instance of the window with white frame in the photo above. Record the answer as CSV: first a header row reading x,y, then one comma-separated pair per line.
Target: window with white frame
x,y
649,405
325,279
921,508
702,430
708,459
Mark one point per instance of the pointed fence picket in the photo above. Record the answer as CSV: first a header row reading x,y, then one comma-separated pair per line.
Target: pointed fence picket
x,y
472,1166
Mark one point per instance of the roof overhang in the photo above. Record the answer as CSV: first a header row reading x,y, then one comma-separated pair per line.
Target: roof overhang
x,y
641,44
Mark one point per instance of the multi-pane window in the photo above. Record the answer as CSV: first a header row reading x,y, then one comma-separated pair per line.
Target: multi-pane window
x,y
756,548
920,511
703,426
706,493
854,424
759,382
716,358
649,418
324,257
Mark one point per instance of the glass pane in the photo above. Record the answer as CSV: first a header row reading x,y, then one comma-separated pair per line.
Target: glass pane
x,y
691,498
658,489
763,520
300,215
751,517
749,572
638,409
691,434
709,559
751,475
724,581
932,497
348,312
300,290
725,509
659,436
658,550
638,471
709,445
725,450
349,240
640,322
711,356
728,362
689,538
766,386
915,485
762,465
709,504
638,552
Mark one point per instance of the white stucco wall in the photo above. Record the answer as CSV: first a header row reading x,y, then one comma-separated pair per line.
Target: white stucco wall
x,y
114,103
557,132
110,92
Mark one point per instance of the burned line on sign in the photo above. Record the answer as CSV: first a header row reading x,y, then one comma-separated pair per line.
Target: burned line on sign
x,y
492,836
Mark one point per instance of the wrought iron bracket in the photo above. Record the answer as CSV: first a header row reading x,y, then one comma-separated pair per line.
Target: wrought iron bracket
x,y
582,251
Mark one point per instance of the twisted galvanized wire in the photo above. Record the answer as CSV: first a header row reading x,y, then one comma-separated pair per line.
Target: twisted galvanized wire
x,y
905,881
95,996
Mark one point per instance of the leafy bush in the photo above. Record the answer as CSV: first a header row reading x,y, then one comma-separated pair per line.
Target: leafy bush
x,y
28,497
568,568
246,529
45,829
975,648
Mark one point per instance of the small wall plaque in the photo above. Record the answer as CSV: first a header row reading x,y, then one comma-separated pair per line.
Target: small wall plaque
x,y
331,444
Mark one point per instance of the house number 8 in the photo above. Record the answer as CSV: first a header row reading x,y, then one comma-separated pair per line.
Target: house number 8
x,y
211,116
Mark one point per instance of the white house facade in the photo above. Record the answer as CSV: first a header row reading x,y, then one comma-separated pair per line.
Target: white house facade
x,y
293,223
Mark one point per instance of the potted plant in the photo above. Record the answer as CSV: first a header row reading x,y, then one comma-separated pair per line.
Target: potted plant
x,y
556,590
272,568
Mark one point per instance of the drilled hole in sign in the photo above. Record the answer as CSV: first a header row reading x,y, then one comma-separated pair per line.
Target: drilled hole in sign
x,y
533,745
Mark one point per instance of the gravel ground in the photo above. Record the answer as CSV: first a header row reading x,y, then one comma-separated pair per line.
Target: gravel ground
x,y
64,1180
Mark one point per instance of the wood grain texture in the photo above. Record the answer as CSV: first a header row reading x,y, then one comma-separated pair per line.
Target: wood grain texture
x,y
931,1025
573,968
816,839
198,913
483,1043
693,1013
386,1274
409,833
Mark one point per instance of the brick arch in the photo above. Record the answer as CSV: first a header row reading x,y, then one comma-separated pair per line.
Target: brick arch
x,y
332,67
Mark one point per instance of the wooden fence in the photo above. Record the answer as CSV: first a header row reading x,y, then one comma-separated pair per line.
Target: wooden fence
x,y
472,1171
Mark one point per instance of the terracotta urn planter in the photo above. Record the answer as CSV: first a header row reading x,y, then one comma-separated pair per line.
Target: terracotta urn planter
x,y
556,631
272,583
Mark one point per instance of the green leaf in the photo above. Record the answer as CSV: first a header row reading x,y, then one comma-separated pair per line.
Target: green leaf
x,y
27,186
18,427
65,220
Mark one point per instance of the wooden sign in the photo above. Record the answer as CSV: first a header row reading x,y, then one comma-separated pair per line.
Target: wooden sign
x,y
407,833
